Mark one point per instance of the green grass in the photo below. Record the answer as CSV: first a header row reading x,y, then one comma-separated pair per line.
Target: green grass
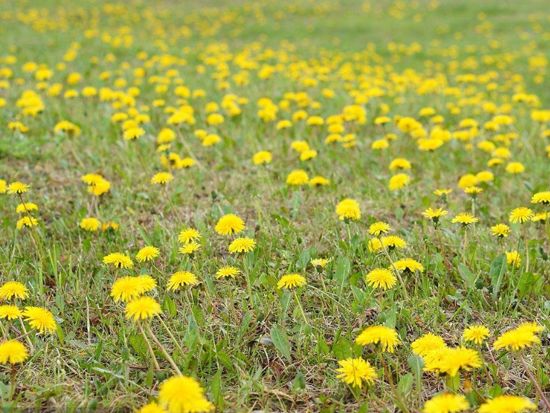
x,y
245,340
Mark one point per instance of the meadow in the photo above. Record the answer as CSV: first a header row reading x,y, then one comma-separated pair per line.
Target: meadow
x,y
274,206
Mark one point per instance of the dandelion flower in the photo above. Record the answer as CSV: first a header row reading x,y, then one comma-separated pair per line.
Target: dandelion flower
x,y
520,215
507,404
147,253
188,234
13,289
381,278
13,352
426,344
513,258
500,230
262,157
152,407
399,181
90,224
127,288
26,207
518,338
229,224
379,228
386,336
240,245
434,214
181,279
356,371
408,264
541,198
291,281
162,178
142,308
182,394
476,334
118,260
320,262
228,271
17,188
40,319
465,219
297,177
446,403
26,222
10,312
451,360
189,248
348,209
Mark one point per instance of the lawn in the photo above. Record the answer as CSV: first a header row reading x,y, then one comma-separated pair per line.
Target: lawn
x,y
302,206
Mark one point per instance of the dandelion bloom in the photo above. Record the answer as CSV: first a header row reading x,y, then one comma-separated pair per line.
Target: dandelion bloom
x,y
393,241
348,209
182,394
465,219
127,288
118,260
162,178
13,289
386,336
152,407
242,245
399,163
518,338
10,312
451,360
229,224
381,278
500,230
180,279
227,271
426,344
26,207
355,371
446,403
442,192
379,228
40,319
515,168
476,334
90,224
147,253
520,215
320,262
262,157
142,308
507,404
188,234
297,177
434,214
27,222
399,181
541,198
318,181
408,264
13,352
17,188
290,281
513,258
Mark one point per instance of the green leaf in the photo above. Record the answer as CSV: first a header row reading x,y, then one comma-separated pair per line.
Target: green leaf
x,y
216,389
496,272
405,384
342,270
468,277
138,344
281,342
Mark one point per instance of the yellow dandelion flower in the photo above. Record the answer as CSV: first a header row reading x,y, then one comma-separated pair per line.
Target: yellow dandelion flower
x,y
13,352
386,336
446,403
291,281
241,245
356,371
40,319
507,404
142,308
228,271
147,253
182,394
476,334
13,289
229,224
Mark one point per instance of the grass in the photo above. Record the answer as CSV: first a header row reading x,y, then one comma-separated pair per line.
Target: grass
x,y
246,341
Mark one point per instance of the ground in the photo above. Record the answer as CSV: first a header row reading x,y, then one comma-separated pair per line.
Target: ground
x,y
458,89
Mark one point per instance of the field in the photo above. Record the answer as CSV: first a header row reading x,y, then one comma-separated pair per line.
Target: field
x,y
272,206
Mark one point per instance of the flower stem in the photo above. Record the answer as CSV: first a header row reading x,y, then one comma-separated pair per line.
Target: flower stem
x,y
163,349
150,348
